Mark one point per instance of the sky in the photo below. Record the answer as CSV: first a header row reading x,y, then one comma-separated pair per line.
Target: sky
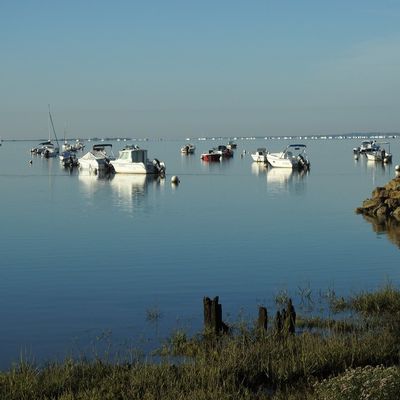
x,y
177,69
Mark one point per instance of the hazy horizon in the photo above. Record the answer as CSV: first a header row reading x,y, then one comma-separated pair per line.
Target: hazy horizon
x,y
186,69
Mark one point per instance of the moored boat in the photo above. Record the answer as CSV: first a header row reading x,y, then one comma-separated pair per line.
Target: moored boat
x,y
133,160
224,151
212,155
97,159
68,158
366,146
260,155
293,156
188,149
380,154
231,145
48,149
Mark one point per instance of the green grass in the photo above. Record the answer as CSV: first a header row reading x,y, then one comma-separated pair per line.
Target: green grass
x,y
325,359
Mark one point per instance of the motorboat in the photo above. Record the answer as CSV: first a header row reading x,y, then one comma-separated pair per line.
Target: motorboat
x,y
260,155
380,154
293,156
366,146
224,151
68,158
188,149
98,159
231,145
212,155
78,145
133,160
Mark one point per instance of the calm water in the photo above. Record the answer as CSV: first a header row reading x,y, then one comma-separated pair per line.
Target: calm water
x,y
85,260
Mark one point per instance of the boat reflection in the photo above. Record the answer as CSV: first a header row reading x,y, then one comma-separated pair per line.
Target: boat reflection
x,y
286,179
390,227
258,168
91,182
130,190
377,169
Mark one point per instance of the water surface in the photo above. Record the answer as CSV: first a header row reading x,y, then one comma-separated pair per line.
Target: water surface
x,y
84,256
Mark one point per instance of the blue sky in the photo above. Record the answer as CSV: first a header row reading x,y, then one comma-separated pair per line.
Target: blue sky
x,y
180,69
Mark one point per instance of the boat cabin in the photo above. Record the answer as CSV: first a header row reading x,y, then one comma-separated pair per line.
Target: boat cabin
x,y
133,154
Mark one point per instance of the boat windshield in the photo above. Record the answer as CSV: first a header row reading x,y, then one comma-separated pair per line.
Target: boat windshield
x,y
139,156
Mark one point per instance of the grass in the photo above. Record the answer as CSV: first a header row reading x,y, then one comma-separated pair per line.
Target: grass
x,y
325,359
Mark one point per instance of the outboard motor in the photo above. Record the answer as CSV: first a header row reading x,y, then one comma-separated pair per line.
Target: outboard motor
x,y
303,162
160,166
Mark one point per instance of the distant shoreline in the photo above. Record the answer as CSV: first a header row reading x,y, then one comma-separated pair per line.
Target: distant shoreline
x,y
372,135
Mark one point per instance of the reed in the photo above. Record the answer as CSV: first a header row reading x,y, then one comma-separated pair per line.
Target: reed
x,y
315,363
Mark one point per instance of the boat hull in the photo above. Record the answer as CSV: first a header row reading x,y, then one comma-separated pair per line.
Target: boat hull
x,y
259,158
133,168
277,161
211,157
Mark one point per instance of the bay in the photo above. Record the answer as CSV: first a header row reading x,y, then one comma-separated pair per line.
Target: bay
x,y
87,260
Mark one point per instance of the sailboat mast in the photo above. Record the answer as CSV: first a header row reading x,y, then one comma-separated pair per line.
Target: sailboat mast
x,y
52,125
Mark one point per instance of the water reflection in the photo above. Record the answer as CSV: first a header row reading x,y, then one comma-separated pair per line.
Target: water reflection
x,y
258,168
130,190
91,183
286,179
390,227
374,169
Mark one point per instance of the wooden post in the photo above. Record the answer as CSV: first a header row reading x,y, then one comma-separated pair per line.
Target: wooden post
x,y
216,315
262,323
291,317
207,312
213,316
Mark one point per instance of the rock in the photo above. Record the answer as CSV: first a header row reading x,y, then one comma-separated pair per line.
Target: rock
x,y
392,204
377,191
382,212
396,213
385,202
370,203
394,194
394,184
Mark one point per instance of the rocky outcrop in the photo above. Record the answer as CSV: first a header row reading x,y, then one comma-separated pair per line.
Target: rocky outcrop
x,y
384,203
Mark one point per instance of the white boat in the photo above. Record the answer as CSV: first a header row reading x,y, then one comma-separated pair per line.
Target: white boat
x,y
260,155
98,159
294,156
366,146
188,148
380,154
133,160
78,145
48,149
51,149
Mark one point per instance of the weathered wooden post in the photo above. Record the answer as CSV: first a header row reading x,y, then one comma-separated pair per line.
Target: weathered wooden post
x,y
291,318
262,322
207,313
216,315
213,315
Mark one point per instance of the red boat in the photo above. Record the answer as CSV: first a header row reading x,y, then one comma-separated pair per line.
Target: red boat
x,y
212,155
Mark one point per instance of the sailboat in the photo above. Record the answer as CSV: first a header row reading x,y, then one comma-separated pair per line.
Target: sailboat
x,y
48,149
51,149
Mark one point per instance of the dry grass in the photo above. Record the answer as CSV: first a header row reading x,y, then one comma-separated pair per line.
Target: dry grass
x,y
314,364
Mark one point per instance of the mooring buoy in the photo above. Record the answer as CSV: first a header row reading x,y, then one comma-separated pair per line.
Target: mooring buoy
x,y
175,180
